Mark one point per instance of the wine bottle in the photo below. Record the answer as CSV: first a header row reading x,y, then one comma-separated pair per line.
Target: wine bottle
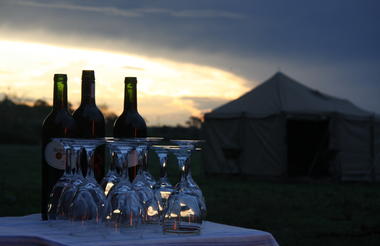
x,y
58,124
90,122
130,124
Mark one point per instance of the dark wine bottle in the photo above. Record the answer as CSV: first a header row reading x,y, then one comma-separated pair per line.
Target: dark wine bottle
x,y
130,124
58,124
90,122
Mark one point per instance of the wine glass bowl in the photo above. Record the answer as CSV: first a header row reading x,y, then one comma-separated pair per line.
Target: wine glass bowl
x,y
83,207
126,208
89,191
183,214
186,183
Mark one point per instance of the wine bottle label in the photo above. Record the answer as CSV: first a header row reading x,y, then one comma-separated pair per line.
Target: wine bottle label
x,y
132,158
55,155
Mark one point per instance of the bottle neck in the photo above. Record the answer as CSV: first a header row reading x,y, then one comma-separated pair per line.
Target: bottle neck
x,y
60,95
88,92
130,97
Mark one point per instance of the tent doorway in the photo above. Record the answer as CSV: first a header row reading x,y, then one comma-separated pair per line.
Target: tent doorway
x,y
308,142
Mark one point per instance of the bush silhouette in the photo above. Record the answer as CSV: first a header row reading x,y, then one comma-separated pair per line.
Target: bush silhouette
x,y
21,123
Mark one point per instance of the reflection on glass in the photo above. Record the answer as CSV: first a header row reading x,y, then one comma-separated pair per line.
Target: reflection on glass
x,y
186,206
163,188
63,181
183,214
89,202
69,191
126,207
112,177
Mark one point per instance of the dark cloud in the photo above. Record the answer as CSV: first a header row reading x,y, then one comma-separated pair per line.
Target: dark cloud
x,y
205,103
331,45
321,30
133,12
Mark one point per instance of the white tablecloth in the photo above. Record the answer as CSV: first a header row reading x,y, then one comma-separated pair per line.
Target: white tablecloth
x,y
30,230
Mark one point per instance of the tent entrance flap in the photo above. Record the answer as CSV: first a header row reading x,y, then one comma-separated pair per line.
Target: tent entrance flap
x,y
307,142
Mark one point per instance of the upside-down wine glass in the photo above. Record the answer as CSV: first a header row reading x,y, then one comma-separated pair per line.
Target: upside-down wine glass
x,y
89,202
187,184
62,182
163,188
186,206
69,191
141,185
126,208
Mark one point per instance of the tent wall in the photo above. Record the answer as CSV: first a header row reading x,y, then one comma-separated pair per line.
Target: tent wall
x,y
245,146
264,148
222,149
351,139
257,146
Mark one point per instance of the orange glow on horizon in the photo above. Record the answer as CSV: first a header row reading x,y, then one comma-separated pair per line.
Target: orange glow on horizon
x,y
167,90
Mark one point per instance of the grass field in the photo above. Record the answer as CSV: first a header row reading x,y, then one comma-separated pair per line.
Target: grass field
x,y
295,213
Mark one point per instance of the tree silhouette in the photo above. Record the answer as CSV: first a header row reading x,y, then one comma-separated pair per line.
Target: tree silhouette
x,y
21,123
194,121
40,103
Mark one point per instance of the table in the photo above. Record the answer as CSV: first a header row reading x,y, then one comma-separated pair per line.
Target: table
x,y
30,230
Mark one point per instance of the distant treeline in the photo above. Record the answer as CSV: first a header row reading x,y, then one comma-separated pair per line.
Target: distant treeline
x,y
21,124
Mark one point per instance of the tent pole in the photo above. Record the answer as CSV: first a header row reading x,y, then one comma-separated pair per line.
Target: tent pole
x,y
372,145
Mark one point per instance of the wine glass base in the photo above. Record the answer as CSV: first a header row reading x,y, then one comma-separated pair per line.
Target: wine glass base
x,y
182,229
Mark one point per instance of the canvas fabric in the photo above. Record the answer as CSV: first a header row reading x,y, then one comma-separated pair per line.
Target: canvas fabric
x,y
264,149
223,139
254,125
245,146
282,94
353,145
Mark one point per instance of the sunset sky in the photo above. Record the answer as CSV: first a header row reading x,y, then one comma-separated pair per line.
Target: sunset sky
x,y
189,56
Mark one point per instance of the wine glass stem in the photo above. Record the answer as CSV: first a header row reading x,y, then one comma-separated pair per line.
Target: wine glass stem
x,y
123,162
113,162
182,163
145,160
140,160
90,163
67,162
187,167
163,171
78,167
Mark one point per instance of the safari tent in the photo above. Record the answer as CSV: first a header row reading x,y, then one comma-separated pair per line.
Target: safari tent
x,y
282,128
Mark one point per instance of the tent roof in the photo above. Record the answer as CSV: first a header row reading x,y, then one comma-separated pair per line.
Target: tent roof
x,y
281,93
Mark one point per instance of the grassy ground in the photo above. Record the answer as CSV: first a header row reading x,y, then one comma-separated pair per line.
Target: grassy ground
x,y
295,213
